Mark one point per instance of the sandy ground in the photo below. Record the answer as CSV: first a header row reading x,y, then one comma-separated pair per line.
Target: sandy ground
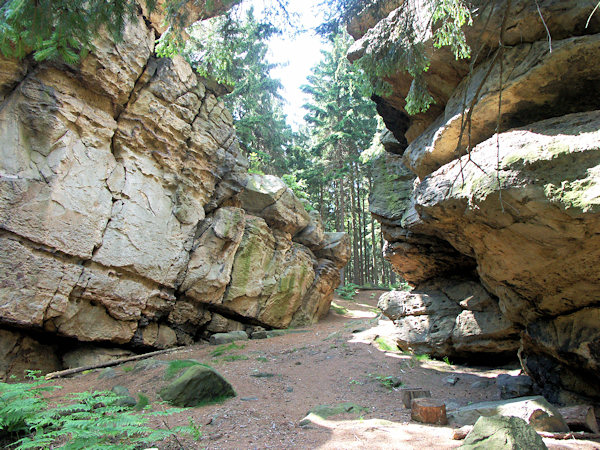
x,y
333,362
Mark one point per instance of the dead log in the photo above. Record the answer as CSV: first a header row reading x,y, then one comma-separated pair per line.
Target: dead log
x,y
116,362
580,418
428,410
460,433
408,394
572,435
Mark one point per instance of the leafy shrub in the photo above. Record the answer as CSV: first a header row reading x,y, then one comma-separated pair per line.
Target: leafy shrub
x,y
347,291
85,420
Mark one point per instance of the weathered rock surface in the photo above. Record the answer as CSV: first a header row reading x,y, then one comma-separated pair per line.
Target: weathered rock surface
x,y
313,236
317,299
412,248
524,25
515,386
450,317
270,276
268,197
120,219
506,433
20,352
536,411
522,207
336,249
88,356
530,91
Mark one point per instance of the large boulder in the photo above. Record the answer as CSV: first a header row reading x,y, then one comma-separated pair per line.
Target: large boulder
x,y
337,249
268,197
197,386
506,433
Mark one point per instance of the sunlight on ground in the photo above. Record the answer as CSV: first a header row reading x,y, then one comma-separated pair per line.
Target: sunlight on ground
x,y
353,313
364,433
358,314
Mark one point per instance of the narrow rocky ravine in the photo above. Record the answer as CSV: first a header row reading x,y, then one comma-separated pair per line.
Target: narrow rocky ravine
x,y
338,361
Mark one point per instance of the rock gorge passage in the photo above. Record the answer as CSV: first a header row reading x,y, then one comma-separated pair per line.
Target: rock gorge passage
x,y
128,217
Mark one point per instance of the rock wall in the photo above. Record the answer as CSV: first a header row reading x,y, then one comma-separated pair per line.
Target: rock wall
x,y
516,212
127,216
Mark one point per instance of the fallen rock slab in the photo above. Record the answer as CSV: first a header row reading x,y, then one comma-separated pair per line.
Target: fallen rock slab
x,y
226,338
536,411
506,433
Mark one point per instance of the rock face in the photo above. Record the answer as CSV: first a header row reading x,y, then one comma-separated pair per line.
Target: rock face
x,y
451,317
127,214
519,213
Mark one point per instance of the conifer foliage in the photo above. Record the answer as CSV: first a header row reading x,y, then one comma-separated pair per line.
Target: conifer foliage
x,y
340,139
60,29
234,51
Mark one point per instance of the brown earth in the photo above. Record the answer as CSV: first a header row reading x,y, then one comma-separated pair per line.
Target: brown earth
x,y
333,362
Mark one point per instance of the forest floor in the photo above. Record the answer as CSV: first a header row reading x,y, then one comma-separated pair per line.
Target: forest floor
x,y
336,361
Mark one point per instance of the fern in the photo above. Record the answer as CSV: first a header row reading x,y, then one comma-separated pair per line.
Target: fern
x,y
80,421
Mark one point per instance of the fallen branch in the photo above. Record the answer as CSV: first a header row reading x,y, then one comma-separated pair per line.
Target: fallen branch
x,y
571,435
116,362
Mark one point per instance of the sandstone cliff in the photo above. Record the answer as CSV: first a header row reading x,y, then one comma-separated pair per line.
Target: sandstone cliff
x,y
127,215
515,214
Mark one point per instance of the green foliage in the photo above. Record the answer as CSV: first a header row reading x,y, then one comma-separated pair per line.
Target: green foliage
x,y
61,29
447,360
400,46
142,403
423,357
389,382
385,346
79,421
347,291
234,52
225,348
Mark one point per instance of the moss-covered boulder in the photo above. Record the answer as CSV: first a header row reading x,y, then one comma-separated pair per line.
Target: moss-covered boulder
x,y
197,386
506,433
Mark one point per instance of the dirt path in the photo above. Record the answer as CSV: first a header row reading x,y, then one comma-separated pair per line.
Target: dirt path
x,y
336,361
